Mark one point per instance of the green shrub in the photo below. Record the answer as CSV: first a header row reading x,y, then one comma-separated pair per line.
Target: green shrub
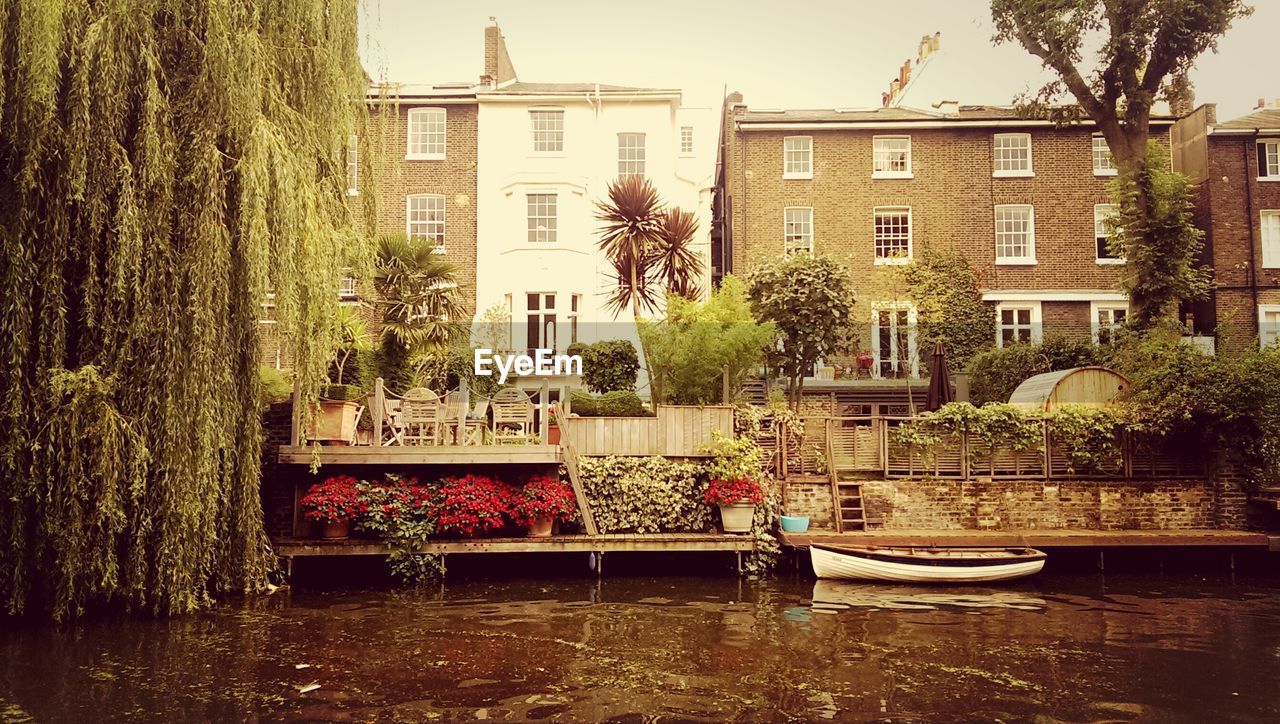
x,y
621,403
341,392
276,386
996,373
646,494
610,366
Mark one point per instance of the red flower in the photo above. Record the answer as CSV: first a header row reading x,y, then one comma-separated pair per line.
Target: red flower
x,y
737,490
545,497
335,500
472,504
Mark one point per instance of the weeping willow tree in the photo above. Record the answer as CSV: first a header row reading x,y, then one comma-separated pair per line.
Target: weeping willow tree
x,y
164,164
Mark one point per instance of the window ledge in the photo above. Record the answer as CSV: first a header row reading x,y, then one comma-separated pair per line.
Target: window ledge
x,y
1013,174
892,174
1110,262
892,261
424,157
798,176
1269,178
353,192
1016,262
1106,172
437,249
548,154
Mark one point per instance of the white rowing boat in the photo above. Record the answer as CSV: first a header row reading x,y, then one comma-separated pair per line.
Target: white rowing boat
x,y
925,565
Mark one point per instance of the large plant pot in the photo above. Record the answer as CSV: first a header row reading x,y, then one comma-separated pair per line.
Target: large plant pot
x,y
553,434
335,422
335,530
539,528
736,517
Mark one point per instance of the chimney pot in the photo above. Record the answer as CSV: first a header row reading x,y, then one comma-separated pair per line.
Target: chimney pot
x,y
1262,103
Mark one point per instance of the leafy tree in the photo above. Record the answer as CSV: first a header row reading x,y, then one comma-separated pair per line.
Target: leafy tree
x,y
353,339
609,366
688,353
809,299
420,305
162,167
946,290
1147,48
996,373
646,245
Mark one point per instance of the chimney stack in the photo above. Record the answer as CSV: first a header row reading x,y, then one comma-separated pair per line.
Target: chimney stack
x,y
928,45
497,63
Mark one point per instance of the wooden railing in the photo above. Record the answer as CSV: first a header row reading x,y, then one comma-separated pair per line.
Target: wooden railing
x,y
869,445
676,430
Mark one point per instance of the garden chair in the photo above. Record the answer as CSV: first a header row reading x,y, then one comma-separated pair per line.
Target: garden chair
x,y
421,421
390,412
457,413
512,417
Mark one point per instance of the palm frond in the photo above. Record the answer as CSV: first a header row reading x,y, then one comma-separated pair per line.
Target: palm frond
x,y
677,263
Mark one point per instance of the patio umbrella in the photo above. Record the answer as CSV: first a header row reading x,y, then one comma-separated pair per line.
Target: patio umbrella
x,y
939,379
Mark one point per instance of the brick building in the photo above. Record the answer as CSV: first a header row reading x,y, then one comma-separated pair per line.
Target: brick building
x,y
1021,199
1236,165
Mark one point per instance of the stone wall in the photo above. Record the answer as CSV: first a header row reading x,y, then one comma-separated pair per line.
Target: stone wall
x,y
987,504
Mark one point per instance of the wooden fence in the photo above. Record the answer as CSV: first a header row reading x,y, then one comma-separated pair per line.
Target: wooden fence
x,y
834,446
676,430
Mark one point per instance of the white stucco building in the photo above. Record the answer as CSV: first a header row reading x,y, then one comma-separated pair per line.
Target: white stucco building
x,y
546,153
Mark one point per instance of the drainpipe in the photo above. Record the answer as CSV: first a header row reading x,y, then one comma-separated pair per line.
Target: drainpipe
x,y
1248,196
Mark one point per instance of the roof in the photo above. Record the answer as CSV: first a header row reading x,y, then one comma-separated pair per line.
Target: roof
x,y
522,88
967,114
1265,118
402,91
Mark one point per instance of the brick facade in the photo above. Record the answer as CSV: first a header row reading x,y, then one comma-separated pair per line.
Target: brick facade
x,y
952,195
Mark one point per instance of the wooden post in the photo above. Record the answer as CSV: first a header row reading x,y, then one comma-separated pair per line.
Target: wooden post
x,y
379,407
726,397
837,505
295,422
544,424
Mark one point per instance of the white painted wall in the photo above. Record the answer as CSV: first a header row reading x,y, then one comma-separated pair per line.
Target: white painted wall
x,y
509,266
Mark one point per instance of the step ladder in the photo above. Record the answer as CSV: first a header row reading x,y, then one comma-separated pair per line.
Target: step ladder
x,y
846,495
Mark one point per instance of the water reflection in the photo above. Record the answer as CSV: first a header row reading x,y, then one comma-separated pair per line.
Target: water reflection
x,y
1061,648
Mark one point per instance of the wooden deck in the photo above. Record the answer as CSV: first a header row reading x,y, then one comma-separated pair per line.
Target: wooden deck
x,y
421,454
1039,538
616,542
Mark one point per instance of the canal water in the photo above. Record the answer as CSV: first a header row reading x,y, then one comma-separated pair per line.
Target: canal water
x,y
632,648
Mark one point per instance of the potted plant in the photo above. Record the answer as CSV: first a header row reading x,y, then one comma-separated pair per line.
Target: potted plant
x,y
737,499
334,504
542,501
553,430
472,504
335,420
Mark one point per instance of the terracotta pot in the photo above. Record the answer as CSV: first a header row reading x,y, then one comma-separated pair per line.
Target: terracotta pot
x,y
553,434
335,422
335,530
736,517
539,528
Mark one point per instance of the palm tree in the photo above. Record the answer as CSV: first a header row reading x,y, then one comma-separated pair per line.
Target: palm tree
x,y
646,243
418,292
676,261
632,220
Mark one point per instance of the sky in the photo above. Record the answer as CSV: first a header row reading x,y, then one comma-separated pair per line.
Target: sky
x,y
793,54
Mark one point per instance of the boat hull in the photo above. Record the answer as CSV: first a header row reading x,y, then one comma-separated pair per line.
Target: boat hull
x,y
869,565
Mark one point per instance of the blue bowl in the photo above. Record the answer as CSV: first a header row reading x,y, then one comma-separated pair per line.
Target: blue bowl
x,y
794,523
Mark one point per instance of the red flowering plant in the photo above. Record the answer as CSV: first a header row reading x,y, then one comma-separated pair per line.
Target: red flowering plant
x,y
472,504
544,497
741,489
335,500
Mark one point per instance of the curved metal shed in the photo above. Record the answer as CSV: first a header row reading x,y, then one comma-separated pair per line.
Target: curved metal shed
x,y
1097,386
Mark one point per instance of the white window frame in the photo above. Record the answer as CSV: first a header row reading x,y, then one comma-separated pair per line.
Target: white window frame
x,y
885,155
913,329
1037,320
1096,326
1030,257
1097,229
347,286
409,221
555,136
550,232
628,154
788,246
807,173
353,165
410,154
875,241
1103,163
1267,337
998,172
1269,149
1270,239
686,140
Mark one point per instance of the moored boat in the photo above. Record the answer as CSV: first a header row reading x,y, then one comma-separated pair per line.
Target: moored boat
x,y
925,565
